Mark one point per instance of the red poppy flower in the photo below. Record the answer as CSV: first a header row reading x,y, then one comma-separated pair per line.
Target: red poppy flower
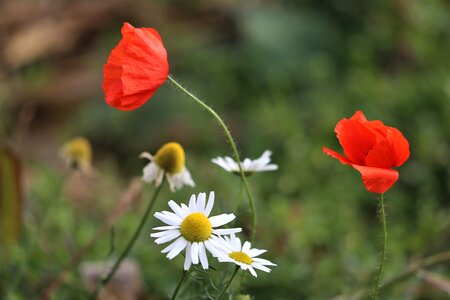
x,y
372,149
135,69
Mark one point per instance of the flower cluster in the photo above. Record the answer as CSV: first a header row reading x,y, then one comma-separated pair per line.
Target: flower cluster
x,y
135,69
191,228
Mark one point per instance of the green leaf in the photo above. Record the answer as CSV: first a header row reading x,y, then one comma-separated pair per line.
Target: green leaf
x,y
10,197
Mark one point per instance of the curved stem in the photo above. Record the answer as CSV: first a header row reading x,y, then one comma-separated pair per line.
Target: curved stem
x,y
228,283
383,250
177,289
232,143
239,200
130,244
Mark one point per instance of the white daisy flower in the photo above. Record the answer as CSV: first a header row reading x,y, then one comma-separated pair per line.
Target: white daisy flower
x,y
192,229
249,166
241,255
169,160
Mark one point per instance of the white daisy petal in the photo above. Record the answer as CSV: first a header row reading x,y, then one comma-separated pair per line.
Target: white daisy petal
x,y
187,178
187,257
222,219
162,233
146,155
150,172
221,163
172,215
194,253
249,166
263,261
246,247
230,162
256,252
226,231
168,237
224,244
166,227
212,249
202,254
185,208
171,182
170,247
237,243
177,209
178,180
252,271
261,267
168,219
180,244
201,199
159,178
192,204
210,203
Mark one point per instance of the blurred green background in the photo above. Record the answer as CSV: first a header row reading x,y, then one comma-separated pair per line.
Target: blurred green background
x,y
281,74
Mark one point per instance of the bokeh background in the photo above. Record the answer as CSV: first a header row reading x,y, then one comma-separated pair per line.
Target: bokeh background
x,y
281,74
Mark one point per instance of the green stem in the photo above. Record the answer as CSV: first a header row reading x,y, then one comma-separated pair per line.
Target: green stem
x,y
228,283
232,143
383,250
239,201
130,244
177,289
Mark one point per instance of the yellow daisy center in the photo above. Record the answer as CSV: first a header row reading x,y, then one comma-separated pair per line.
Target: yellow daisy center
x,y
170,157
196,227
241,257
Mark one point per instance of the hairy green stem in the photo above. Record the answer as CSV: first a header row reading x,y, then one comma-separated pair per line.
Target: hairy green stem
x,y
130,244
236,269
232,143
177,289
383,250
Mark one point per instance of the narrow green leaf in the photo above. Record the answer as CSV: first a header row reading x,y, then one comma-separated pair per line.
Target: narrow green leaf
x,y
10,197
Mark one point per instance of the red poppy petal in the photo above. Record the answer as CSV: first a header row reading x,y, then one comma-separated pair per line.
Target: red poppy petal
x,y
118,53
127,28
399,146
359,116
336,155
377,180
131,102
356,139
136,67
145,66
378,128
380,156
112,84
149,35
139,98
